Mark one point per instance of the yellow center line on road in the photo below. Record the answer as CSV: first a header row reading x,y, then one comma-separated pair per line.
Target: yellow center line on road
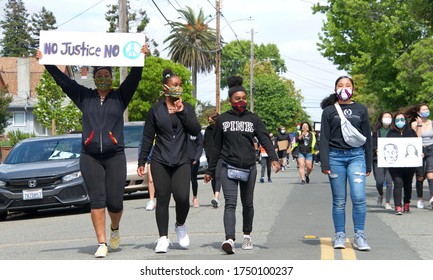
x,y
327,250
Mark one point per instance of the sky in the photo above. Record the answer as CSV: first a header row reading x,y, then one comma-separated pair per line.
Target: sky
x,y
289,24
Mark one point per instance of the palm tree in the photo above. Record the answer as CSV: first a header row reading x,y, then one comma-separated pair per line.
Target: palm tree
x,y
192,43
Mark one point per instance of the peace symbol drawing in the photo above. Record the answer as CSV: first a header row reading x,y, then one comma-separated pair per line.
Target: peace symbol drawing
x,y
132,50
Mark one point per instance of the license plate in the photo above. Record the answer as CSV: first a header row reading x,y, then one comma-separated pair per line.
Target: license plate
x,y
32,194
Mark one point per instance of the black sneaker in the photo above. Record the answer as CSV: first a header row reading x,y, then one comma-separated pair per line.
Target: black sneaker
x,y
307,179
303,182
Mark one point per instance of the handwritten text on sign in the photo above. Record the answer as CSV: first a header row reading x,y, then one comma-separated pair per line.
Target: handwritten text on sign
x,y
91,48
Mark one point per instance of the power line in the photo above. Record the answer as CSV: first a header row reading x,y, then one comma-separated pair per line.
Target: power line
x,y
80,13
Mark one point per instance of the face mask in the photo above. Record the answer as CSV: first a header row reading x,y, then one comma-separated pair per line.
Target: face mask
x,y
400,124
298,128
386,121
240,106
344,94
103,83
174,91
424,114
211,122
283,131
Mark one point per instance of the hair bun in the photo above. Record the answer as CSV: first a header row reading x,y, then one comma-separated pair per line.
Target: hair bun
x,y
167,73
233,81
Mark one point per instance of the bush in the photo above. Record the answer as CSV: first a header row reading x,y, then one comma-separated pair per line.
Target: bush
x,y
15,136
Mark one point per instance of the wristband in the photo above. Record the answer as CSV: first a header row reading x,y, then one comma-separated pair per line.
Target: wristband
x,y
419,125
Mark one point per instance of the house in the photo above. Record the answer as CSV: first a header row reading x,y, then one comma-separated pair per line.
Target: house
x,y
22,75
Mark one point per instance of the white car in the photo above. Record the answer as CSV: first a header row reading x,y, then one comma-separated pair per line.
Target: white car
x,y
133,132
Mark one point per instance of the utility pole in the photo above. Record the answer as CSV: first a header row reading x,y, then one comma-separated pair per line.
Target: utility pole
x,y
252,72
218,58
123,27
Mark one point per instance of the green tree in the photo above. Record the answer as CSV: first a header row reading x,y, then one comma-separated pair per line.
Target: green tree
x,y
416,72
16,38
44,20
150,87
422,10
5,100
137,19
236,55
191,43
365,38
53,105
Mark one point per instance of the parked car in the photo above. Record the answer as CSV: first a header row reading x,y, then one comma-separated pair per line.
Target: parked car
x,y
133,132
40,173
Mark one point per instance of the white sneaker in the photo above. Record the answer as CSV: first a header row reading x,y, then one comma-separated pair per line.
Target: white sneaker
x,y
388,206
162,245
150,205
431,202
215,202
420,204
228,246
102,251
114,239
182,236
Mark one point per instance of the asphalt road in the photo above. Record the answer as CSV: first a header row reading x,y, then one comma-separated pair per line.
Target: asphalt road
x,y
292,222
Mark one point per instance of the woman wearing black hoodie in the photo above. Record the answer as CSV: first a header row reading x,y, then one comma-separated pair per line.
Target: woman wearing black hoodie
x,y
234,145
401,176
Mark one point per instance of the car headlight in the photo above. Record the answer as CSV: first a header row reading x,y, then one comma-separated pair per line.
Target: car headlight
x,y
71,176
2,184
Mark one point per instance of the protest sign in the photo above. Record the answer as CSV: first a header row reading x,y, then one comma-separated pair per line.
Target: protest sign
x,y
399,151
91,48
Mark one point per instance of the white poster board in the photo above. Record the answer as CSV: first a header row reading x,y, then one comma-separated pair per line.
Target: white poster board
x,y
91,48
399,151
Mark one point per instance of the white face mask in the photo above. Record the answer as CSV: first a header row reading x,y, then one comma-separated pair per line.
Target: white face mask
x,y
386,121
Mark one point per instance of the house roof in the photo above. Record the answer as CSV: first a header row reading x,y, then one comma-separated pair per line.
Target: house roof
x,y
9,74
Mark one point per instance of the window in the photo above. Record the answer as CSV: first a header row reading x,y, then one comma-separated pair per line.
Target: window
x,y
19,119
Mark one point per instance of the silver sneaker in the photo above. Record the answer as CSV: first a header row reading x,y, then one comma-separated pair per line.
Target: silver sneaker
x,y
379,200
360,241
215,202
340,240
247,244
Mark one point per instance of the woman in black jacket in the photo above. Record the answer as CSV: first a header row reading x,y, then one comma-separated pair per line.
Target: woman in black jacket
x,y
234,144
102,159
401,176
169,122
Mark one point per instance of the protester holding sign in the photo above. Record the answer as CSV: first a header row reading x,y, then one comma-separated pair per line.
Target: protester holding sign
x,y
342,162
102,160
401,176
170,122
234,144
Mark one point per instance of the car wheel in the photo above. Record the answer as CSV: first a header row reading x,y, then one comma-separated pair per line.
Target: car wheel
x,y
3,216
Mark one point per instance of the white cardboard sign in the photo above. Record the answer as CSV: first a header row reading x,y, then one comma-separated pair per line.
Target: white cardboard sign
x,y
399,151
91,48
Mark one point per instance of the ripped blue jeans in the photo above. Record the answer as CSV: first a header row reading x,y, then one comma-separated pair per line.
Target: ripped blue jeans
x,y
348,165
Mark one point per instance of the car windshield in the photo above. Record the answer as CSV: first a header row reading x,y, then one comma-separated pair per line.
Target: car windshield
x,y
44,150
132,135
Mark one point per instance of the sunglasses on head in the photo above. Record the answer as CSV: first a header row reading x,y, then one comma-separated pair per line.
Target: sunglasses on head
x,y
400,119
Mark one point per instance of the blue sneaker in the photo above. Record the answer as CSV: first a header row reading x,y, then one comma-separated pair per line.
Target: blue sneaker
x,y
262,180
340,240
360,241
269,180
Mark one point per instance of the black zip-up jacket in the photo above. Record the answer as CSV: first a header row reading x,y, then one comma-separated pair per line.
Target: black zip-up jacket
x,y
234,140
102,124
208,140
195,147
171,132
331,136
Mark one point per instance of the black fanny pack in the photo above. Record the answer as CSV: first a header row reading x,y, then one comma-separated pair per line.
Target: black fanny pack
x,y
427,150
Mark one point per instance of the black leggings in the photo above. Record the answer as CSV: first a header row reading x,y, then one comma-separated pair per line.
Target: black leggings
x,y
194,174
105,179
171,180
